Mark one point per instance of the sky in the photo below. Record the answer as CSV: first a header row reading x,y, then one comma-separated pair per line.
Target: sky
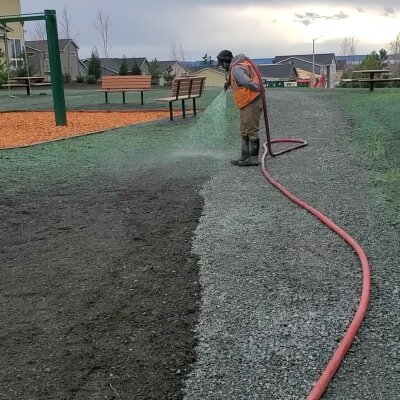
x,y
262,28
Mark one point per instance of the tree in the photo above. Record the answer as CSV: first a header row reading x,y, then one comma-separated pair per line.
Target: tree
x,y
135,69
383,57
94,67
155,72
3,68
103,25
65,23
394,47
371,61
345,47
39,31
168,76
177,54
123,69
207,62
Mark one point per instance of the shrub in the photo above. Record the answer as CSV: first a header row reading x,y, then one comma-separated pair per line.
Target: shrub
x,y
80,79
91,79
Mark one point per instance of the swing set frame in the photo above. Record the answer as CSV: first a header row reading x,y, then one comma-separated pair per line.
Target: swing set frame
x,y
50,18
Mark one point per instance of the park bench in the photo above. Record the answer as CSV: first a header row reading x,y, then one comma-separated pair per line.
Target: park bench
x,y
185,88
125,83
26,82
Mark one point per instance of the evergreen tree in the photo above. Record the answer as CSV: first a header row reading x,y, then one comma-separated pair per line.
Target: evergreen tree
x,y
155,72
94,68
3,68
135,69
207,62
371,61
123,69
383,57
168,76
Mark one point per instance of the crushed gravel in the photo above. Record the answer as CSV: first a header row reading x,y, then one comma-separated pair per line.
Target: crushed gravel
x,y
278,287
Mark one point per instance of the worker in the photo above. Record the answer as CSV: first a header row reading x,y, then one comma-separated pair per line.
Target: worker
x,y
246,94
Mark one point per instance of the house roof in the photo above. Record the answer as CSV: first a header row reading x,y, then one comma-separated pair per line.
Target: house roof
x,y
41,45
303,64
278,71
164,65
114,64
321,59
197,70
262,61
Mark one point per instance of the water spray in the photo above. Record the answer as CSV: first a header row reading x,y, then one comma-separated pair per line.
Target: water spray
x,y
333,365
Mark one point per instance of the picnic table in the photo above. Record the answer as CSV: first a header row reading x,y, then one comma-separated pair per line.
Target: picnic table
x,y
27,82
371,80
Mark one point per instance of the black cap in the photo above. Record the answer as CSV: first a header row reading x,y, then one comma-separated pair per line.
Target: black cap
x,y
224,55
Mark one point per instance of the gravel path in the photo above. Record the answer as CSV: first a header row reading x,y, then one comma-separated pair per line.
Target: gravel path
x,y
279,288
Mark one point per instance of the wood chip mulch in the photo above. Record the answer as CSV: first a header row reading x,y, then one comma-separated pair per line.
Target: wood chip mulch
x,y
27,128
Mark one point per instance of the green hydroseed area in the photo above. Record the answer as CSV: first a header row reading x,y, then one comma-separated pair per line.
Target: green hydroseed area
x,y
195,145
375,120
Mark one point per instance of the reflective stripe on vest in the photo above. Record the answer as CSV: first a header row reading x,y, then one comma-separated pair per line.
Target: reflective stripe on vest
x,y
242,95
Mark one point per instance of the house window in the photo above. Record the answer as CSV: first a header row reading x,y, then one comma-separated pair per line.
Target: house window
x,y
15,48
72,53
31,54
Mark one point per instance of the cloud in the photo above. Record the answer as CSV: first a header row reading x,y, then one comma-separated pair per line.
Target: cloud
x,y
360,10
310,17
389,12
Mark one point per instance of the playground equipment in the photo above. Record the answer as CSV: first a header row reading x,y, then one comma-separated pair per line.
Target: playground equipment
x,y
49,16
333,365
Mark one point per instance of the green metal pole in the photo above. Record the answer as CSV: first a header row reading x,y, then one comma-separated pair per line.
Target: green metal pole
x,y
55,67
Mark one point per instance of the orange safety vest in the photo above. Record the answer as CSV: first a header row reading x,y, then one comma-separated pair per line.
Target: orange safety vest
x,y
242,95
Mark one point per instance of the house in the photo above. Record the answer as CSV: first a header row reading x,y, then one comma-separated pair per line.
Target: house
x,y
15,32
262,61
354,59
38,58
278,75
322,65
177,69
214,76
111,66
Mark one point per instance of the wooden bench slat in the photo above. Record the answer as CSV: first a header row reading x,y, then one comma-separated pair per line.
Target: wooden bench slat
x,y
126,82
185,88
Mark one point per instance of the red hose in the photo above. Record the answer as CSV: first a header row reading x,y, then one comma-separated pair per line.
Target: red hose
x,y
333,365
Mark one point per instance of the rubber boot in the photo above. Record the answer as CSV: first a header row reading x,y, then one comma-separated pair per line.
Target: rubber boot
x,y
252,161
245,152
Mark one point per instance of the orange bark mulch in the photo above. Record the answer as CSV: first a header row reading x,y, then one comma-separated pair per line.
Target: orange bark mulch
x,y
27,128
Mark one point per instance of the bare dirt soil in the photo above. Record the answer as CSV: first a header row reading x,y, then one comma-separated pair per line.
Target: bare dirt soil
x,y
99,289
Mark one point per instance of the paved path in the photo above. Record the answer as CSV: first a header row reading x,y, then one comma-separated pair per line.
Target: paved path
x,y
278,287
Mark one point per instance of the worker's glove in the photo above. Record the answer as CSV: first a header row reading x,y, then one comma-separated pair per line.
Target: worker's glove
x,y
227,85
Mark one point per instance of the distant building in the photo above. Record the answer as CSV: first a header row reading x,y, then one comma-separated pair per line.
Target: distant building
x,y
352,60
324,65
214,76
278,75
14,32
177,69
111,66
38,58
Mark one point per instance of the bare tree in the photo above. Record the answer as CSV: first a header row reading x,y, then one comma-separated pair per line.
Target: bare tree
x,y
181,52
173,53
177,53
394,47
66,27
39,31
103,25
345,47
353,47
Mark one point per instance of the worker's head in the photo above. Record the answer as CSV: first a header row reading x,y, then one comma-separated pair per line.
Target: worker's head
x,y
224,59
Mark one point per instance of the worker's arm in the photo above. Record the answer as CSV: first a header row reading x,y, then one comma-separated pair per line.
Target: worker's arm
x,y
243,79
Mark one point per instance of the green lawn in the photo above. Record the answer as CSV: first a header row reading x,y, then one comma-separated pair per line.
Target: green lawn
x,y
375,120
